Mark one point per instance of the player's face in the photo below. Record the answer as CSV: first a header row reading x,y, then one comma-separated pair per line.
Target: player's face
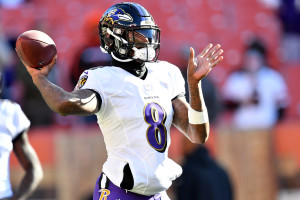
x,y
253,61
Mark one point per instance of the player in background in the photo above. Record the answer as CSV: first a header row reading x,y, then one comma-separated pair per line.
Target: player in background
x,y
136,100
13,136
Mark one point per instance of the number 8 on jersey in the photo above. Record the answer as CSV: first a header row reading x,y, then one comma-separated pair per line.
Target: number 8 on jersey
x,y
156,133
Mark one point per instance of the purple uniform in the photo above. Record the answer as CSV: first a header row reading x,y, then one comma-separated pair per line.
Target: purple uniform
x,y
106,190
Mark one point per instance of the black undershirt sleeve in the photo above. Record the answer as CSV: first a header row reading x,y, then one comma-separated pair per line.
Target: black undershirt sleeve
x,y
179,95
98,99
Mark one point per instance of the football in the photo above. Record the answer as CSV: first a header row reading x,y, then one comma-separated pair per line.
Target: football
x,y
35,48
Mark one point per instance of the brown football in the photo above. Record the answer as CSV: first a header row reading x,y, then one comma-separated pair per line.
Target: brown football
x,y
35,48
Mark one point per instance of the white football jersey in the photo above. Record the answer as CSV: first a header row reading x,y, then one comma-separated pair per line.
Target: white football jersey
x,y
12,122
135,118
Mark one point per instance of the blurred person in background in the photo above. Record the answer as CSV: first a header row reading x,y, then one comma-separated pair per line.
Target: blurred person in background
x,y
13,136
136,100
12,4
18,85
6,56
203,178
88,55
289,15
257,94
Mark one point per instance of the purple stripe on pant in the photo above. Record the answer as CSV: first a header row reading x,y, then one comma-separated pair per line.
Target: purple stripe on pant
x,y
113,192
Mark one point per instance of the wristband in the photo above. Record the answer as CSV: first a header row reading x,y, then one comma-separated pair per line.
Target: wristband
x,y
196,117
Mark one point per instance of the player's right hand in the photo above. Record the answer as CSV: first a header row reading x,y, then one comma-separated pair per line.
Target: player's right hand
x,y
43,71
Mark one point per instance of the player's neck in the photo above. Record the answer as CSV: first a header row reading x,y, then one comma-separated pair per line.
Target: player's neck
x,y
137,69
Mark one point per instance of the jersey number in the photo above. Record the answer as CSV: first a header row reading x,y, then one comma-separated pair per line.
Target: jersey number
x,y
156,133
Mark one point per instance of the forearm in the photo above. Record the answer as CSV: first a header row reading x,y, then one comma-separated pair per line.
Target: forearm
x,y
30,162
81,102
28,184
196,96
198,132
53,95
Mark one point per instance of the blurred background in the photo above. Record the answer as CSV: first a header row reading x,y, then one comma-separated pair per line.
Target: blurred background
x,y
253,96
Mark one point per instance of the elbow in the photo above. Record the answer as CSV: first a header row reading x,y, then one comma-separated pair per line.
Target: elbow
x,y
61,108
38,175
35,173
200,137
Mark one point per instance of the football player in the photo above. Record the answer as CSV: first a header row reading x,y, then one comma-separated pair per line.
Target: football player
x,y
135,100
13,136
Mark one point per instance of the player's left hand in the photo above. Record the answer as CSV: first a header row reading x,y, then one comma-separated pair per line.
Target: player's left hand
x,y
200,66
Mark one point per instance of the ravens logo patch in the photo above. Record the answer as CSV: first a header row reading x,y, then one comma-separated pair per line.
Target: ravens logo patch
x,y
81,82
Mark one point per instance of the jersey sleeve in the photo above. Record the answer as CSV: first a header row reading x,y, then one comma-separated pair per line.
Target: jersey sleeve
x,y
90,80
178,83
87,80
19,121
